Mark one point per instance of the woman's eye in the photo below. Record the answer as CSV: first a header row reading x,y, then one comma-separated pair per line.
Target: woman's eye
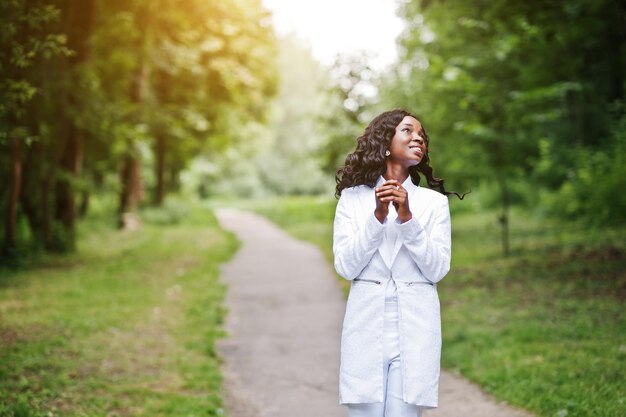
x,y
406,129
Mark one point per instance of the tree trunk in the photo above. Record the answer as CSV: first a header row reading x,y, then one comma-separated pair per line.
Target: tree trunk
x,y
159,191
84,203
130,174
31,186
131,194
46,212
14,195
65,205
504,213
174,178
616,37
500,164
79,21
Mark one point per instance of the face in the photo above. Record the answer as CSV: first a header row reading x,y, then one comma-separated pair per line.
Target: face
x,y
408,145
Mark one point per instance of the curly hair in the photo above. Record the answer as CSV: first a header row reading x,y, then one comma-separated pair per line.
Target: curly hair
x,y
367,163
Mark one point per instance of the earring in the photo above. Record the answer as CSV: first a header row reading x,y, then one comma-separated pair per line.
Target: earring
x,y
387,152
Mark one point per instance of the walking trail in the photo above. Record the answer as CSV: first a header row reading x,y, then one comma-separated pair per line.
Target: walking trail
x,y
281,356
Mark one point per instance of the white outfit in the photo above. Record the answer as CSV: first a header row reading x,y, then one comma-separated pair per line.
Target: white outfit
x,y
393,405
415,255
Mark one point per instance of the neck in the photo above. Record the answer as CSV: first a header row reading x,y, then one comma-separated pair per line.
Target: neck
x,y
396,172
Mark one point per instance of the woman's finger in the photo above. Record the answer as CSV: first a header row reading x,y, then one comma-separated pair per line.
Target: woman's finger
x,y
389,188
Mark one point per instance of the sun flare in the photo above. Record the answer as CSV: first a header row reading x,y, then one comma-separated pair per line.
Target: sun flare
x,y
334,27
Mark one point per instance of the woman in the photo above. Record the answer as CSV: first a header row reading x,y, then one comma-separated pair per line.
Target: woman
x,y
392,240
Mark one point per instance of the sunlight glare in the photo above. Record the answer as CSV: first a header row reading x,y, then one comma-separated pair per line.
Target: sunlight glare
x,y
334,27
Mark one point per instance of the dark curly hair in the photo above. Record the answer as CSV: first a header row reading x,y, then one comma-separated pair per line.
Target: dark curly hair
x,y
367,163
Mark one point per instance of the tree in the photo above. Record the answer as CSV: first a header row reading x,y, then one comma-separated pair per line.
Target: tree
x,y
497,78
125,77
351,94
200,67
25,39
276,156
78,22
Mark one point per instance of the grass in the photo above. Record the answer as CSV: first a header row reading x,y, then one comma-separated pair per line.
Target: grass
x,y
126,326
543,329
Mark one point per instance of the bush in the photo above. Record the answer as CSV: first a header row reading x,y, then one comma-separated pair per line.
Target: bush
x,y
594,190
172,212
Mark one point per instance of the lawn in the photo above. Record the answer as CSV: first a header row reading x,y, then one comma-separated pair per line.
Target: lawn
x,y
543,329
126,326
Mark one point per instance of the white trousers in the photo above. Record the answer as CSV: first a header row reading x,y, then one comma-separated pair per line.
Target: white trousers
x,y
392,406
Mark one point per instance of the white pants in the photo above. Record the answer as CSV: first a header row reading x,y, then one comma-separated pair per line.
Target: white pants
x,y
392,405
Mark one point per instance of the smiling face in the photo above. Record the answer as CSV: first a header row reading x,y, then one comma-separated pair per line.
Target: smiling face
x,y
408,145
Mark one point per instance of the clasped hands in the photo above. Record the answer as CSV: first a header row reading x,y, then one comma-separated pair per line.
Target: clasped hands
x,y
391,191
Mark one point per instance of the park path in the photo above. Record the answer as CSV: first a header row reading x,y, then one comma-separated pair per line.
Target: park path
x,y
281,356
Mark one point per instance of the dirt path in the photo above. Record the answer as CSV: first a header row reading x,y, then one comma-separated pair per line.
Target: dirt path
x,y
285,311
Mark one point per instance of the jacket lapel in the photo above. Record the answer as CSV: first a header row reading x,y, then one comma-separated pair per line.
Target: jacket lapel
x,y
416,210
391,238
368,204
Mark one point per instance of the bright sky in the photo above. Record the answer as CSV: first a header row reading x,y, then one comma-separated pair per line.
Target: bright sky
x,y
341,26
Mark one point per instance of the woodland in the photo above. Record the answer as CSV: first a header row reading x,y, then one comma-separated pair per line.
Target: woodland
x,y
131,101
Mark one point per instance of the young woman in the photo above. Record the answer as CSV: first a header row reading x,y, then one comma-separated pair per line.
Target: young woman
x,y
392,240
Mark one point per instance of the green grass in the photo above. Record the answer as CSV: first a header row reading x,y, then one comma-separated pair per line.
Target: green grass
x,y
126,326
543,329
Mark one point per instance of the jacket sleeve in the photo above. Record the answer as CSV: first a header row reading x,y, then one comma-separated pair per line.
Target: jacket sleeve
x,y
354,244
430,251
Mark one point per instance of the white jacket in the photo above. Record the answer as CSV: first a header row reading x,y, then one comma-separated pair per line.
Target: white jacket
x,y
419,259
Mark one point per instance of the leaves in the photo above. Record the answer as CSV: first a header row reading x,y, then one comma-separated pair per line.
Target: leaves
x,y
498,83
99,83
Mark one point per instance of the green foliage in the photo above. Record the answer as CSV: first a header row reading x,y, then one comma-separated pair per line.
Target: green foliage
x,y
191,72
62,239
543,329
23,40
593,191
172,212
278,156
499,84
91,88
350,98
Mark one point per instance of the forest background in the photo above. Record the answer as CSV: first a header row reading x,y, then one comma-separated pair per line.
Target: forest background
x,y
115,108
137,100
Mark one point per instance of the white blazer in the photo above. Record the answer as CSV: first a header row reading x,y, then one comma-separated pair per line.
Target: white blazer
x,y
419,259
